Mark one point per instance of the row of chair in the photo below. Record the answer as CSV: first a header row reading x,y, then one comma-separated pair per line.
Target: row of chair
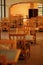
x,y
14,29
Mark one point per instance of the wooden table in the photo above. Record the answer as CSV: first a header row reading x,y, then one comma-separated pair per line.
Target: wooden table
x,y
11,55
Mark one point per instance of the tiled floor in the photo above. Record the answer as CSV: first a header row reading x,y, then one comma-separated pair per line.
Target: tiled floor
x,y
36,51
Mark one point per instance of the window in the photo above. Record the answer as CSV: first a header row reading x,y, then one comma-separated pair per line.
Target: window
x,y
40,9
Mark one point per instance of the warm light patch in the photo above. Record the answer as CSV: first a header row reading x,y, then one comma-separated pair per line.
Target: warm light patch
x,y
35,5
20,9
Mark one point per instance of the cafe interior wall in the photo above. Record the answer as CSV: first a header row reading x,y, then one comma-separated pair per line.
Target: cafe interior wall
x,y
11,2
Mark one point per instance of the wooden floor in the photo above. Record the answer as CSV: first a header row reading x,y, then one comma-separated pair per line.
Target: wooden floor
x,y
36,51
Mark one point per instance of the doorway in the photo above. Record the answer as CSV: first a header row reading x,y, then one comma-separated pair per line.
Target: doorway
x,y
33,13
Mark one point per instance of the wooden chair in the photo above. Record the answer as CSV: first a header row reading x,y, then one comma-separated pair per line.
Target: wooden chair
x,y
7,44
2,60
5,24
25,49
40,23
32,23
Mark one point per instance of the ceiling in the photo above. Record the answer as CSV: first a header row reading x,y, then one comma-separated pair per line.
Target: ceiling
x,y
9,2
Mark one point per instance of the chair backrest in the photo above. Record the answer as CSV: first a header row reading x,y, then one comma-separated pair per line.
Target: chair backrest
x,y
40,20
7,44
